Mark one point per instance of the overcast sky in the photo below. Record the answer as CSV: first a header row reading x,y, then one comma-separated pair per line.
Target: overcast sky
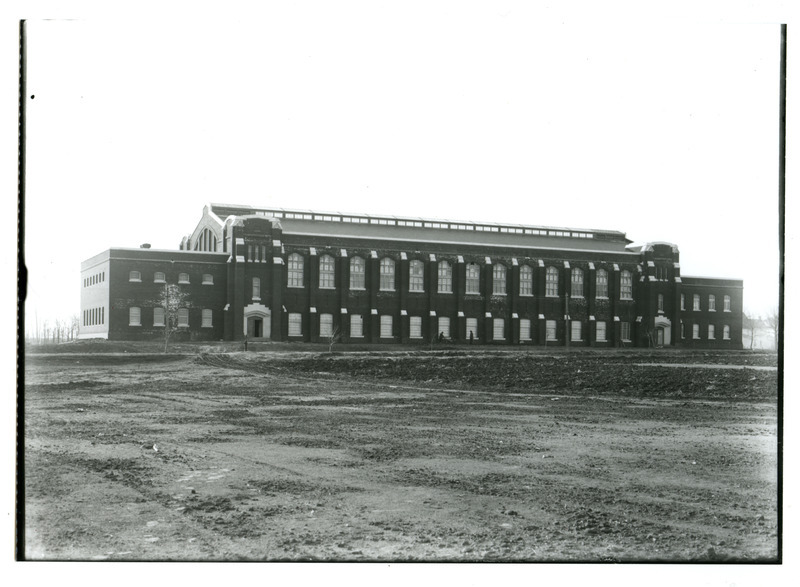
x,y
495,112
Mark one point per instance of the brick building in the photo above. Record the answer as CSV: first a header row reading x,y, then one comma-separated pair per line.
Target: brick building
x,y
276,274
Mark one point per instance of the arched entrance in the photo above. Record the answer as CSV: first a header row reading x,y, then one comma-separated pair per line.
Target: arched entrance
x,y
257,321
663,331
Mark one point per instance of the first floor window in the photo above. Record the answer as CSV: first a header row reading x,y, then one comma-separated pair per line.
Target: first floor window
x,y
695,331
683,329
206,318
159,277
183,278
326,325
295,324
208,279
386,325
524,329
444,326
134,276
726,332
134,316
600,331
711,332
576,332
356,326
551,329
183,317
158,317
499,329
683,301
415,327
625,331
472,328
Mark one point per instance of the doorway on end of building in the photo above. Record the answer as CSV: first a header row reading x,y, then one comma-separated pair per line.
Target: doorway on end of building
x,y
663,331
257,321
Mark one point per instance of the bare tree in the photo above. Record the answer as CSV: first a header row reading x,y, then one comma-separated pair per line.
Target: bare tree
x,y
773,322
172,299
334,337
751,324
74,327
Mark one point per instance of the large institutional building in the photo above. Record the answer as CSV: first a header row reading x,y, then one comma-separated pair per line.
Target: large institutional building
x,y
293,275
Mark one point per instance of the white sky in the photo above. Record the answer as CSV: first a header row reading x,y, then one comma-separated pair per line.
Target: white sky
x,y
499,112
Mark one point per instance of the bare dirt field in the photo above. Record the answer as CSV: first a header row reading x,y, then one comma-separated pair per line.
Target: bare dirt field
x,y
282,453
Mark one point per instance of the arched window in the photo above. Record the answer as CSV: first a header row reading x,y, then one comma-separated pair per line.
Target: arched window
x,y
499,280
551,282
445,278
183,278
601,283
626,286
712,303
416,272
711,331
256,288
326,272
526,280
208,279
576,291
473,284
357,280
387,274
159,277
295,272
134,276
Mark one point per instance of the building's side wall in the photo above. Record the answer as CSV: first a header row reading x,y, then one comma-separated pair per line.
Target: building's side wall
x,y
94,314
718,317
146,294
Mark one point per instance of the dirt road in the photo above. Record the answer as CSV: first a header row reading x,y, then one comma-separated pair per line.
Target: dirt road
x,y
400,456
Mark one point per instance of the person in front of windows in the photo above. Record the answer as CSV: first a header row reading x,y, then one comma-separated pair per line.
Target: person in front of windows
x,y
471,336
441,337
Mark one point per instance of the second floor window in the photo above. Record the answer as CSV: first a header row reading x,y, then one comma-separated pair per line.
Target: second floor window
x,y
626,286
357,280
256,288
526,280
387,274
295,273
499,280
551,282
660,302
577,283
416,271
726,304
696,303
473,283
712,304
601,283
445,278
326,272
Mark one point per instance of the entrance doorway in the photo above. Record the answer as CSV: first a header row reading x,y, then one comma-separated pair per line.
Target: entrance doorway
x,y
257,321
659,337
258,325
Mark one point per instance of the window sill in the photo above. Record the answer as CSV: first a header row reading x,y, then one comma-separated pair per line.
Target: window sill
x,y
159,281
525,295
416,291
295,286
388,290
134,324
326,287
134,281
351,288
256,299
207,283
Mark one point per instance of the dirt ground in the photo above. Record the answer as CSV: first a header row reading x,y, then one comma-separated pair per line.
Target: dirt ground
x,y
400,455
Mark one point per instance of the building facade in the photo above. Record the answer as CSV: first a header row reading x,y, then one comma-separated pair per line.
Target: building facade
x,y
290,275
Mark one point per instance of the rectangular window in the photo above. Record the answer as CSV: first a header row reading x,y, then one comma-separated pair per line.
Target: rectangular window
x,y
327,266
134,276
386,326
576,331
499,280
660,302
387,274
576,291
696,302
711,333
712,303
524,329
158,316
473,283
415,327
695,331
526,280
726,304
183,278
183,317
600,331
551,329
726,332
683,301
625,331
207,314
326,325
159,277
601,283
499,329
626,286
472,326
356,326
295,270
134,317
445,277
683,329
256,288
416,271
208,279
444,326
295,324
551,282
357,280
